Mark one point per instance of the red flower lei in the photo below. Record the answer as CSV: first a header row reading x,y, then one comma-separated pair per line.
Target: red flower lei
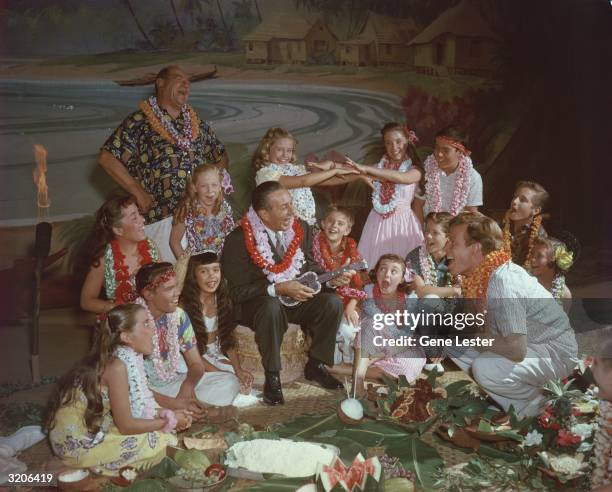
x,y
401,299
325,258
387,188
249,241
124,291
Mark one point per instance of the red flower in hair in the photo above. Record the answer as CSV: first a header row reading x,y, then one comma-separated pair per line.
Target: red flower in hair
x,y
566,438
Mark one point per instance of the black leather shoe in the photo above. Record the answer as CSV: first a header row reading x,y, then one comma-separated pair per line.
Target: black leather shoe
x,y
273,392
317,371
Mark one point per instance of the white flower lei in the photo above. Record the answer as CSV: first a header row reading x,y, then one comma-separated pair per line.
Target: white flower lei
x,y
164,370
387,208
142,402
428,268
558,286
432,184
183,141
263,246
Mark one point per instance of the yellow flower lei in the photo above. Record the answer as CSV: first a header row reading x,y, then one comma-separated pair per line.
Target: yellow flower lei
x,y
534,229
158,127
475,286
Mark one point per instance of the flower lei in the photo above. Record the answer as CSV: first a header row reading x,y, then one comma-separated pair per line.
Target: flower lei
x,y
429,270
142,402
258,247
432,184
401,299
116,273
475,286
165,370
534,230
428,267
558,286
385,195
323,256
163,125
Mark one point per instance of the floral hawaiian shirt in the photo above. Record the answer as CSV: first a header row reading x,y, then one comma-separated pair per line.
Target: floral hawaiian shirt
x,y
159,166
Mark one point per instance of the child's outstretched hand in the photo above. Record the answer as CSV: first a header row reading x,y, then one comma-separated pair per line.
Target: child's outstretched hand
x,y
321,166
358,167
183,420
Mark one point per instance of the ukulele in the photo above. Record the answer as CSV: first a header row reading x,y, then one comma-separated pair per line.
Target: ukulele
x,y
314,281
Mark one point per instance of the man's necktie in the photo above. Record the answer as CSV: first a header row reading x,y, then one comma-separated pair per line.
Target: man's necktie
x,y
280,247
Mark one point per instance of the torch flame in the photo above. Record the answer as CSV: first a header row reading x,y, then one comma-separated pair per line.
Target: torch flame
x,y
39,174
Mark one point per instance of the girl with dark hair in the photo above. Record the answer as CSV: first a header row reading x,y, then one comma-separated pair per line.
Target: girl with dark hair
x,y
523,221
387,296
103,413
451,182
205,298
116,249
391,226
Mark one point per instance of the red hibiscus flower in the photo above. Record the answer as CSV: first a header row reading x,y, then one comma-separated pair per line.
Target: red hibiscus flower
x,y
565,438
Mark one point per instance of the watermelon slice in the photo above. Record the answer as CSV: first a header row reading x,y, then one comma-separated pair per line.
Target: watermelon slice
x,y
363,474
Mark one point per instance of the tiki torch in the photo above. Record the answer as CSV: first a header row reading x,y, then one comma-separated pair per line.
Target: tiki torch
x,y
42,245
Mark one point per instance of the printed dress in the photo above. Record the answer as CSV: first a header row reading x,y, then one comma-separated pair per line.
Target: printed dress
x,y
396,361
303,199
399,233
208,232
108,450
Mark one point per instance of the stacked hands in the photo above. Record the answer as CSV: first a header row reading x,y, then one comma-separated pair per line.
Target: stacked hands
x,y
348,167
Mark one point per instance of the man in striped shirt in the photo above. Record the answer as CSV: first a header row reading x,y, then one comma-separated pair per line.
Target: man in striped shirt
x,y
533,341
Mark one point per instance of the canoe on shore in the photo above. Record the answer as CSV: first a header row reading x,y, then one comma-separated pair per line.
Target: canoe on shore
x,y
149,78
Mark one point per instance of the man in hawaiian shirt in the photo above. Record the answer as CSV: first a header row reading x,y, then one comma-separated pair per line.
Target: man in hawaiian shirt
x,y
154,149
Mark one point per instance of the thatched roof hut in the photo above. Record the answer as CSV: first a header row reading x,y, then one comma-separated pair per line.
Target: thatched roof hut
x,y
381,41
285,38
458,41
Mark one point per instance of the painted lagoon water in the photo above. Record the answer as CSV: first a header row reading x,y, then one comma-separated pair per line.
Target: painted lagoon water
x,y
73,119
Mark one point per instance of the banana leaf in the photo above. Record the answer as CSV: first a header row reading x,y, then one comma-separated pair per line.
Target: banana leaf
x,y
419,457
149,485
279,484
372,433
166,468
307,426
492,452
456,388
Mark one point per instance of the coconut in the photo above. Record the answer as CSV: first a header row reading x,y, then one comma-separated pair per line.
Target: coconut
x,y
350,411
398,484
192,459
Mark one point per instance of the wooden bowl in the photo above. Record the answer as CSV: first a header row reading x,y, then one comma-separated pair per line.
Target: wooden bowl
x,y
78,484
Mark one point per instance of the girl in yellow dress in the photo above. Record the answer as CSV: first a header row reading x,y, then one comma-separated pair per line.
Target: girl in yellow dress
x,y
103,415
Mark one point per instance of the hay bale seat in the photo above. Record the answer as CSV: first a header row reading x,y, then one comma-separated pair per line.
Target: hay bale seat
x,y
294,353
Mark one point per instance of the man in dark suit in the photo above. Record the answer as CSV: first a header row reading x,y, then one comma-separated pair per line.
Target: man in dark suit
x,y
256,284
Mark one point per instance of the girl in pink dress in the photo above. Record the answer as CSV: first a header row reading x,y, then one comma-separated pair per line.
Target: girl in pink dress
x,y
387,296
392,227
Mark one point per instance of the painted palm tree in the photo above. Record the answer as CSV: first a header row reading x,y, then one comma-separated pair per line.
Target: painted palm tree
x,y
178,22
142,31
192,7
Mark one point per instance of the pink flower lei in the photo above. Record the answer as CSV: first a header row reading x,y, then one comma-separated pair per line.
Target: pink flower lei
x,y
263,246
165,370
432,185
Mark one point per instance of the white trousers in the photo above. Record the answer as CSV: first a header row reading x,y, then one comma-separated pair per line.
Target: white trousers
x,y
217,388
159,232
514,383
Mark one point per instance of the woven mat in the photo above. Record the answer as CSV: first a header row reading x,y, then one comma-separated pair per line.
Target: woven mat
x,y
301,398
